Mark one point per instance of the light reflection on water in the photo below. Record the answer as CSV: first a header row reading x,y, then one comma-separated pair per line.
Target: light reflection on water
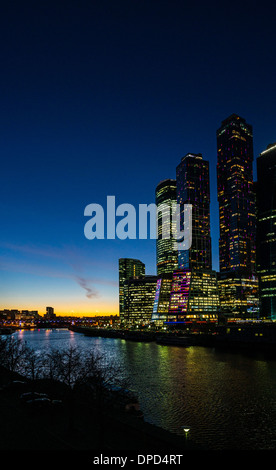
x,y
228,400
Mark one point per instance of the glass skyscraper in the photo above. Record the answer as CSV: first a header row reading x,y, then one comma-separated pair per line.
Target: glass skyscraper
x,y
193,187
191,291
236,195
166,250
266,230
128,268
237,214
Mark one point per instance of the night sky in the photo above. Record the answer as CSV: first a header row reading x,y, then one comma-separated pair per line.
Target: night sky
x,y
104,98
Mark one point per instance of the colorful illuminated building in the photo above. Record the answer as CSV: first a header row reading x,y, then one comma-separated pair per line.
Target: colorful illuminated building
x,y
179,298
162,298
266,230
193,187
128,268
194,296
139,295
237,213
166,250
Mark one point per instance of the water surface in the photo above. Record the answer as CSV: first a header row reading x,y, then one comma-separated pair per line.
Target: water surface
x,y
228,400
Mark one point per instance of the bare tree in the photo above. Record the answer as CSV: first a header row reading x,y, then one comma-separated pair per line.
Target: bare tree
x,y
65,365
32,363
71,367
12,354
79,371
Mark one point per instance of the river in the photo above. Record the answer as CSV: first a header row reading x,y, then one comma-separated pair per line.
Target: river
x,y
227,400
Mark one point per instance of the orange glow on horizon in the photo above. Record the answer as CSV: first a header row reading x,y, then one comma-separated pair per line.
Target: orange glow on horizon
x,y
82,309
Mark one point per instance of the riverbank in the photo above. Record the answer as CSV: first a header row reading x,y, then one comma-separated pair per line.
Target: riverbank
x,y
75,425
259,337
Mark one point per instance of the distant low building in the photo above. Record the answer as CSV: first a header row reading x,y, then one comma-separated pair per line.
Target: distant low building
x,y
18,315
50,315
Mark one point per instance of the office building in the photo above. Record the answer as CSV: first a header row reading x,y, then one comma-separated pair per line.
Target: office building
x,y
179,297
193,187
237,215
236,195
162,298
128,268
266,230
139,295
194,296
166,249
239,295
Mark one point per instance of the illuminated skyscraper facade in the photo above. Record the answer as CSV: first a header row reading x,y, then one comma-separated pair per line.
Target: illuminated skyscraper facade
x,y
162,298
139,295
266,230
179,297
193,187
194,296
236,196
237,212
239,294
166,250
128,268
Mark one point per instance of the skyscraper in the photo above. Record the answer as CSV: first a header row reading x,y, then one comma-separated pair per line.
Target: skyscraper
x,y
166,250
193,285
193,187
266,230
237,215
128,268
236,196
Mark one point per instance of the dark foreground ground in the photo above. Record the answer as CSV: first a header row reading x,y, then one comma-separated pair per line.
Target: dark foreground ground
x,y
75,426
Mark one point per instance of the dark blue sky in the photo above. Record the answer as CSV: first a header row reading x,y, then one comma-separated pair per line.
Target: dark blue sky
x,y
103,98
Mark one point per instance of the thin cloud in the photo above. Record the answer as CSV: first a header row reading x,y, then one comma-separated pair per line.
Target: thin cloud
x,y
73,264
84,283
70,255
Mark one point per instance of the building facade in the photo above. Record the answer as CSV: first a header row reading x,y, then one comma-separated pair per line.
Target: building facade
x,y
239,295
50,313
166,249
139,295
266,230
237,214
128,268
193,187
162,298
194,296
236,195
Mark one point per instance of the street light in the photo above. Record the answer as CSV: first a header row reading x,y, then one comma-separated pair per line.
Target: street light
x,y
186,430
